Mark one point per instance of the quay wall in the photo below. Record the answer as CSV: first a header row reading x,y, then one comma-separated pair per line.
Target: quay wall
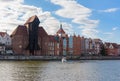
x,y
22,57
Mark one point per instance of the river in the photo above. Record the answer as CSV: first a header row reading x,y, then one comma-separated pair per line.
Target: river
x,y
83,70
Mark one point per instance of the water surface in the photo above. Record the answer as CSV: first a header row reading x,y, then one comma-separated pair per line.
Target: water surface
x,y
84,70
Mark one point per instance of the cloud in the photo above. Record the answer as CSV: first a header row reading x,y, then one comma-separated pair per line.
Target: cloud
x,y
79,14
110,10
114,28
108,33
15,12
108,36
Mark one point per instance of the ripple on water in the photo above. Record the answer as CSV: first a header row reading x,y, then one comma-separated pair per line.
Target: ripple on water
x,y
90,70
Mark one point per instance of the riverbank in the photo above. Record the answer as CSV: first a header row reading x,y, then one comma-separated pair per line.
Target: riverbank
x,y
47,58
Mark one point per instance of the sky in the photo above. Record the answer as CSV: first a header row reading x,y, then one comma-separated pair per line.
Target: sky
x,y
88,18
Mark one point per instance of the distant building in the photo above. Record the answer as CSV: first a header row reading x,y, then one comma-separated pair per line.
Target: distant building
x,y
62,41
52,46
112,49
97,46
2,49
83,51
87,46
76,45
32,39
5,39
70,45
5,42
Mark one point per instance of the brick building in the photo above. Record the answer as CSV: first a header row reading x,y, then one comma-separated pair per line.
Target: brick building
x,y
112,49
21,39
31,39
62,47
24,40
76,45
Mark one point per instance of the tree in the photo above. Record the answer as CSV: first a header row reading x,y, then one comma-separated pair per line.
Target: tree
x,y
103,51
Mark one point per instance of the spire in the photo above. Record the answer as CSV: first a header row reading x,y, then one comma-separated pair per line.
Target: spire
x,y
60,26
61,32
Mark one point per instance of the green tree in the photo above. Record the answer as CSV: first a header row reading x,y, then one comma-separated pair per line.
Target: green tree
x,y
103,51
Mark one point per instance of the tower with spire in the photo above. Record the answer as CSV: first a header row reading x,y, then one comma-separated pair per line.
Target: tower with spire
x,y
62,39
61,32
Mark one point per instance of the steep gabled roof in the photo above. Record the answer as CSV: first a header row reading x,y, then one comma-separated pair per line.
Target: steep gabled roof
x,y
42,32
107,44
2,34
20,30
113,44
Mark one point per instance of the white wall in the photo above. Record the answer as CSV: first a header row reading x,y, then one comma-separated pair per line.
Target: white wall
x,y
5,40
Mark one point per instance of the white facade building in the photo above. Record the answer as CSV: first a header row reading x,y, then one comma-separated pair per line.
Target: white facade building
x,y
5,39
86,45
5,42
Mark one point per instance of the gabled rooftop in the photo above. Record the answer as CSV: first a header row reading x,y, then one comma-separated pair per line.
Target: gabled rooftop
x,y
42,32
108,44
2,34
21,29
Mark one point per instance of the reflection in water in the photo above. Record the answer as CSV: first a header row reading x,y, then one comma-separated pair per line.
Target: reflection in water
x,y
21,70
28,71
57,71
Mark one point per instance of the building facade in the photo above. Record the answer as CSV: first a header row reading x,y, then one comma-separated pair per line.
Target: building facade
x,y
112,49
5,42
31,39
5,39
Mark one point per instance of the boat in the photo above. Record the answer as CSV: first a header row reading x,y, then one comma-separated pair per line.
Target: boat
x,y
63,59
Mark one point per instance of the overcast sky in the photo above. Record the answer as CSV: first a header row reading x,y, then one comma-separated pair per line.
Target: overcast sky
x,y
89,18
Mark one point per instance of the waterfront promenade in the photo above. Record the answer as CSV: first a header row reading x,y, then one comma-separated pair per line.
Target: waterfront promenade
x,y
24,57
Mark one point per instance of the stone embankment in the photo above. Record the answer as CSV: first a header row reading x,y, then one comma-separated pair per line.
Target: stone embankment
x,y
22,57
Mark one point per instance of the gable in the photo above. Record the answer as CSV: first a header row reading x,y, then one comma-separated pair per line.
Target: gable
x,y
111,46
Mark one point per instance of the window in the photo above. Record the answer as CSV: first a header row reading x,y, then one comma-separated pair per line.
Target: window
x,y
7,38
71,42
